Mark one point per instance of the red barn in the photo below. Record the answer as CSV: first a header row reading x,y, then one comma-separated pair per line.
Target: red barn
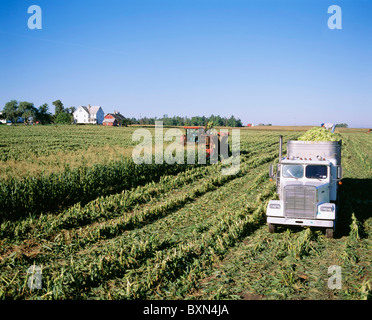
x,y
109,120
113,119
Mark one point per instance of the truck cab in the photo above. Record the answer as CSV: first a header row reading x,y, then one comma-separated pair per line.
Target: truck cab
x,y
307,183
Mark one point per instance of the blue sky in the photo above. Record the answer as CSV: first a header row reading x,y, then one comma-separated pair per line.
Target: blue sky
x,y
262,61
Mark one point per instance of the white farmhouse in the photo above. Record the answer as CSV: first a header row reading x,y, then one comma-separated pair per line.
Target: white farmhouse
x,y
92,115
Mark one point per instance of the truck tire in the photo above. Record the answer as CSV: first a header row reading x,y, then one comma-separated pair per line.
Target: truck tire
x,y
271,227
329,233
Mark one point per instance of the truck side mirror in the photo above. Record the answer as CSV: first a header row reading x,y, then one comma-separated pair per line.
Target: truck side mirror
x,y
339,172
271,171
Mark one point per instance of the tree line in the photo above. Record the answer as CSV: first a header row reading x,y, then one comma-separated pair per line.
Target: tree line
x,y
14,110
342,125
193,121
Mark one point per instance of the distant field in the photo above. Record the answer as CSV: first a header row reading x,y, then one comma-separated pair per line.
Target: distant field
x,y
109,229
31,150
301,128
279,128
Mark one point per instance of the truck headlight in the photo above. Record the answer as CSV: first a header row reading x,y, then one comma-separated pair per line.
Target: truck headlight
x,y
274,206
326,208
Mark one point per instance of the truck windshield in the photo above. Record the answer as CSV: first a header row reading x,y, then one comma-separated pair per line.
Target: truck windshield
x,y
316,172
293,171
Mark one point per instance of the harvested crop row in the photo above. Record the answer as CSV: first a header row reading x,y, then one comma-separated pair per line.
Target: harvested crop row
x,y
95,210
95,250
92,253
113,228
173,272
222,219
99,209
262,266
68,241
21,197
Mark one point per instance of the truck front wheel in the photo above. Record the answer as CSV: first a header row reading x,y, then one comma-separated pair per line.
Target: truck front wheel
x,y
271,227
329,233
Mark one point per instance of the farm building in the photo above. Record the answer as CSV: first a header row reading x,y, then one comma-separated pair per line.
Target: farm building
x,y
8,122
89,115
113,119
2,120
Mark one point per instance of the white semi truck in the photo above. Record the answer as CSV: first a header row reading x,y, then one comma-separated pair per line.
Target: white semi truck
x,y
307,182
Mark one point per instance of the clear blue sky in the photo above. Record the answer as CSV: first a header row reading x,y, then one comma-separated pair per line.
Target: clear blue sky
x,y
262,61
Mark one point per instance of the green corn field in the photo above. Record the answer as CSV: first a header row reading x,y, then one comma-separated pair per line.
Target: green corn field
x,y
102,227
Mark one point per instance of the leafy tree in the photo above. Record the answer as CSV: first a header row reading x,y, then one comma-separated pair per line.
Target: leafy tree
x,y
58,107
133,121
231,122
72,110
43,115
196,121
63,118
10,111
125,122
26,110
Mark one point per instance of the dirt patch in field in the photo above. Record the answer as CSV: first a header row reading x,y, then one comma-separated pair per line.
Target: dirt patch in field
x,y
251,296
30,248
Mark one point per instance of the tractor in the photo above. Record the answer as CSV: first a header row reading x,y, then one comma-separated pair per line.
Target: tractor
x,y
213,140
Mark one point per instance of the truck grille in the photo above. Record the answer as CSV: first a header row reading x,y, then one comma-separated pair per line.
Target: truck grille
x,y
300,201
